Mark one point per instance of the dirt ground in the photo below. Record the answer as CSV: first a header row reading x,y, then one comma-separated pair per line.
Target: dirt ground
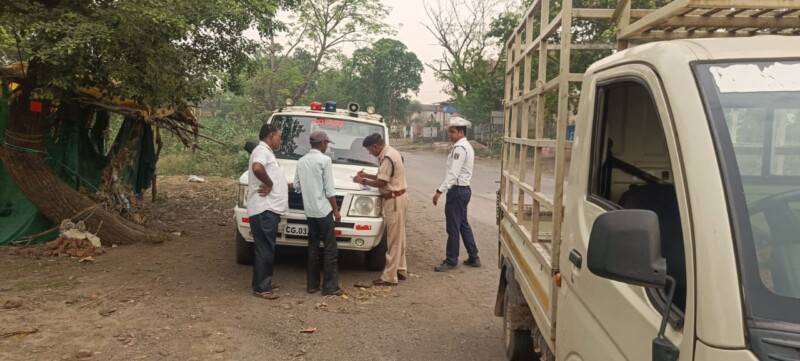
x,y
187,299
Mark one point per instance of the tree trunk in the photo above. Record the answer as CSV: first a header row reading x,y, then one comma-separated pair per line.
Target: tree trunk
x,y
26,165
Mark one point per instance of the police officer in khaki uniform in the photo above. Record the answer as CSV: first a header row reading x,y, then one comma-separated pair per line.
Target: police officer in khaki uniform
x,y
391,181
458,174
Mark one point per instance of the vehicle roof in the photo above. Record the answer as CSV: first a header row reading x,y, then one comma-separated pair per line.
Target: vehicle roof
x,y
666,52
338,114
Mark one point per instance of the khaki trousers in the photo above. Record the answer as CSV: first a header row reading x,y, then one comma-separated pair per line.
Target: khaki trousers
x,y
394,211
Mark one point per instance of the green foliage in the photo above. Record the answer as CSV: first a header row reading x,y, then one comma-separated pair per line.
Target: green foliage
x,y
315,34
329,86
228,159
8,49
156,52
281,70
472,34
296,56
475,77
383,75
326,24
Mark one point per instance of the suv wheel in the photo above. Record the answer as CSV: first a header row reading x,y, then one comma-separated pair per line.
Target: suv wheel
x,y
244,250
375,259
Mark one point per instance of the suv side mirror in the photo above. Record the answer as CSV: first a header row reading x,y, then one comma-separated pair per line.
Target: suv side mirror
x,y
625,246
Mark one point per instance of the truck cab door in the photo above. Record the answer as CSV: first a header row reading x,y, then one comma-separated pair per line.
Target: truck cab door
x,y
625,156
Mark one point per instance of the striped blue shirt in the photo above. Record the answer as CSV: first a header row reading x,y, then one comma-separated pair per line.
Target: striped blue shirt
x,y
314,179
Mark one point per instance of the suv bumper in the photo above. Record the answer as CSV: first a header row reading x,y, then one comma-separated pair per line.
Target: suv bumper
x,y
353,233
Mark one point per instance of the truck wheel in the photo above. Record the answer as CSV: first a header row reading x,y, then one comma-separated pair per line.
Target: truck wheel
x,y
518,343
244,250
375,259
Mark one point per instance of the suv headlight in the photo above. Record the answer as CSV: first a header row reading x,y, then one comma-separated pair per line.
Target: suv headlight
x,y
242,199
365,206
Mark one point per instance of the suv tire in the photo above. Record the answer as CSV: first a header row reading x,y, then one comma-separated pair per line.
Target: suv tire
x,y
375,259
244,250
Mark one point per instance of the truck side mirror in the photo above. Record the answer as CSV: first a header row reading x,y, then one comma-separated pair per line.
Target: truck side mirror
x,y
625,246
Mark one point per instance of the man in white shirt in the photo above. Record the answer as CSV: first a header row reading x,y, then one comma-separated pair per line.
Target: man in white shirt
x,y
314,179
458,174
267,200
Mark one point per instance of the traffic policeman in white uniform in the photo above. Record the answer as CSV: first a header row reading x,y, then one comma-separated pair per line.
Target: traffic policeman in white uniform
x,y
458,174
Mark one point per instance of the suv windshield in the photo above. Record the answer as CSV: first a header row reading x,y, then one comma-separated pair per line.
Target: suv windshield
x,y
755,112
346,135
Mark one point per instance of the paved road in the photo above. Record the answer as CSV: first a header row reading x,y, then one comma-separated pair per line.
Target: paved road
x,y
425,172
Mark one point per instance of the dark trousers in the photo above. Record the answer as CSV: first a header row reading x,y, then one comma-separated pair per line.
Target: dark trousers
x,y
455,211
265,231
322,229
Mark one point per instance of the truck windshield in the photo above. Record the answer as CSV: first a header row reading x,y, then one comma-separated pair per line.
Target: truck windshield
x,y
346,135
754,108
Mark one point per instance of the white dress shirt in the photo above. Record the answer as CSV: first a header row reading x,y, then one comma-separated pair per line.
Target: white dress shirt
x,y
278,199
460,162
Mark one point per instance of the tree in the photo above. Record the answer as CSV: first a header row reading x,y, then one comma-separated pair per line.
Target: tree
x,y
331,84
265,89
384,75
8,51
157,53
473,35
471,63
315,34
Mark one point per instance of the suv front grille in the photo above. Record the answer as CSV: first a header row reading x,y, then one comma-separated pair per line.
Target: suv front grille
x,y
296,201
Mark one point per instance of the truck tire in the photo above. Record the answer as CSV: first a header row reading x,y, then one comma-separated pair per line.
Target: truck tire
x,y
375,259
518,343
244,250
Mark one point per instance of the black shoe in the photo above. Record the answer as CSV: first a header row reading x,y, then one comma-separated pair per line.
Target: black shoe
x,y
473,262
444,267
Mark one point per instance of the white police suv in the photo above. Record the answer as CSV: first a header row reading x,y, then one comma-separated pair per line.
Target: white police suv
x,y
362,226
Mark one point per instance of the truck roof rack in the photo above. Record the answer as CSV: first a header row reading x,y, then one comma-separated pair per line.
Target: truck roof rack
x,y
682,19
528,117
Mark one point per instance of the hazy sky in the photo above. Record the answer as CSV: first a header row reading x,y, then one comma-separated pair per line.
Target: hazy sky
x,y
407,17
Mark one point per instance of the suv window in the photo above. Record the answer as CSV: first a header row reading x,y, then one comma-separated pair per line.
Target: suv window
x,y
346,136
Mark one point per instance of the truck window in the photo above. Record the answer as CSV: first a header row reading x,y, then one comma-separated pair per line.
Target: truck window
x,y
631,169
754,106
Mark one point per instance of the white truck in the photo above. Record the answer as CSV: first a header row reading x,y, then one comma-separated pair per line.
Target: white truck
x,y
672,230
362,225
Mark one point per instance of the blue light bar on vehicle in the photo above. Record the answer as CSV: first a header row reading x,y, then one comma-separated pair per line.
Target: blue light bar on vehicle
x,y
330,106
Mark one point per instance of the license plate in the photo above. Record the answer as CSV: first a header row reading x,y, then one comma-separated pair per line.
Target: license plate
x,y
296,230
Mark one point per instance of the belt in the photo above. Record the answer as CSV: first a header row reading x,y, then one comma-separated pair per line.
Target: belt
x,y
393,194
460,187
